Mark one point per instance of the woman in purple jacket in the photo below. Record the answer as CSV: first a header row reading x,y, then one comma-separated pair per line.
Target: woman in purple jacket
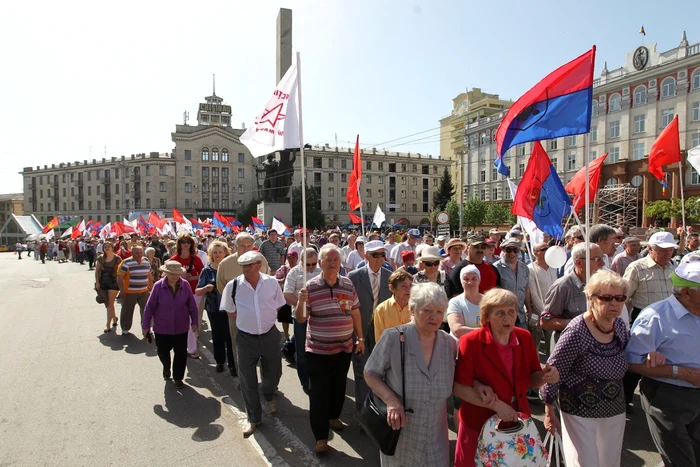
x,y
171,308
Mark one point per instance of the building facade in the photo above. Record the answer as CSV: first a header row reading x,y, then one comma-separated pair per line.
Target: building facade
x,y
632,105
11,203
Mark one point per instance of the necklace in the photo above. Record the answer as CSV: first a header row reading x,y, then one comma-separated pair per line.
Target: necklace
x,y
609,331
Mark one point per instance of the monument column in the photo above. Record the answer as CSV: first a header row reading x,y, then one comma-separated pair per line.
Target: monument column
x,y
284,42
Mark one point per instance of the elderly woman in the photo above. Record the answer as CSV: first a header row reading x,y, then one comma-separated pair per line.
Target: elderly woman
x,y
429,373
590,356
499,356
106,269
186,255
171,308
394,311
463,315
218,319
430,260
154,262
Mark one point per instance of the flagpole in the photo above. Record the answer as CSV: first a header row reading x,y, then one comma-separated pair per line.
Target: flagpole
x,y
571,214
303,175
680,172
359,197
587,200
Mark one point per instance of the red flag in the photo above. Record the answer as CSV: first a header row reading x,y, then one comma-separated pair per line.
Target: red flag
x,y
665,150
177,217
50,225
353,195
155,220
355,219
78,230
577,185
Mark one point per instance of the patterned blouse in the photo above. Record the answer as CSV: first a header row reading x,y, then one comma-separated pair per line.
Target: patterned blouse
x,y
591,372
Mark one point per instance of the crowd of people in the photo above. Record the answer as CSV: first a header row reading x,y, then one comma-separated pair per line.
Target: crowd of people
x,y
482,322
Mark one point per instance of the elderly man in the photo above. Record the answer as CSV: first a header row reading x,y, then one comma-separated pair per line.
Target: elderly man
x,y
348,248
630,253
412,237
273,250
357,255
454,249
671,392
252,301
475,255
515,276
542,277
565,299
292,285
331,306
495,237
441,241
133,279
692,244
371,283
229,269
604,237
389,245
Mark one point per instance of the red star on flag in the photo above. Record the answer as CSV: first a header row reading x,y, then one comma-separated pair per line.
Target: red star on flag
x,y
273,115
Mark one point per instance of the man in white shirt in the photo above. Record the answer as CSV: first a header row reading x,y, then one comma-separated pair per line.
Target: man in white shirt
x,y
357,255
81,249
298,245
541,279
412,237
252,300
349,248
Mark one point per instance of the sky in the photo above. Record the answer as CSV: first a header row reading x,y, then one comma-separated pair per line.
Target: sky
x,y
81,79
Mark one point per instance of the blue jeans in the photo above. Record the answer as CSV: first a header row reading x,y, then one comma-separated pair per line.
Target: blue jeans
x,y
302,365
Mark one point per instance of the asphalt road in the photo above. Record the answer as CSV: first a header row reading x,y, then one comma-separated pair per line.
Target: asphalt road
x,y
72,395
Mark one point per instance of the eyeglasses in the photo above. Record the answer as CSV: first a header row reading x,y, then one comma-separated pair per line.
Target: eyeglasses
x,y
579,238
596,258
430,264
378,255
511,250
610,298
541,250
311,265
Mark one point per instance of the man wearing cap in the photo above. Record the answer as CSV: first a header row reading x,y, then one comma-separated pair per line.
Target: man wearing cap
x,y
372,286
475,256
441,242
515,276
412,237
630,254
408,261
454,249
671,392
252,301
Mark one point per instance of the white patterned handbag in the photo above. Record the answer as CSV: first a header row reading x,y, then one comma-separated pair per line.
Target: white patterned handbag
x,y
518,446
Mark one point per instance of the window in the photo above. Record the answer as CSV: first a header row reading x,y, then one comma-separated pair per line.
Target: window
x,y
435,182
343,164
555,163
369,207
571,161
224,173
343,192
148,170
613,155
331,191
241,173
148,187
403,180
638,153
331,206
403,167
205,172
414,181
482,176
483,195
380,193
696,111
592,155
162,203
188,155
161,170
90,175
188,188
163,187
89,191
668,88
64,181
553,144
640,95
241,158
483,139
666,117
343,178
611,182
594,108
369,165
614,129
615,104
415,194
494,194
521,170
519,150
380,179
331,163
116,190
215,154
594,133
241,189
205,154
571,140
368,192
330,176
415,207
494,173
695,141
368,178
224,155
640,123
695,80
188,171
694,177
116,175
318,163
380,165
188,204
343,205
224,187
126,188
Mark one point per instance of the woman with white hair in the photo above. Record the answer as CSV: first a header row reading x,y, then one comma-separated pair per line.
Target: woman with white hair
x,y
428,372
154,262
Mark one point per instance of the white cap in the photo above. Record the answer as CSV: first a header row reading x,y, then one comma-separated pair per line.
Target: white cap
x,y
467,269
374,245
663,240
250,258
441,238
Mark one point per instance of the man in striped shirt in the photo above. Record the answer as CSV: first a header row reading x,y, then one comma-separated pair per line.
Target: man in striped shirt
x,y
133,279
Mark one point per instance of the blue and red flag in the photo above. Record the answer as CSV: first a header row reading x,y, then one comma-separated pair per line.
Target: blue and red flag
x,y
195,224
258,223
221,222
541,196
97,226
559,105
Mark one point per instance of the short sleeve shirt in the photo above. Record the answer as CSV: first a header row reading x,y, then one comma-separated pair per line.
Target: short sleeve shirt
x,y
135,275
256,308
469,311
295,279
272,253
330,326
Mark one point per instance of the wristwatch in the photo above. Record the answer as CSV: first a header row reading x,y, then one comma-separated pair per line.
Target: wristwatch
x,y
675,371
360,339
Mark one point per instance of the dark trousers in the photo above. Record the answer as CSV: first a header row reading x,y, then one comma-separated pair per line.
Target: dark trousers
x,y
42,255
178,343
19,254
221,338
302,364
673,415
358,370
129,302
91,258
327,378
630,380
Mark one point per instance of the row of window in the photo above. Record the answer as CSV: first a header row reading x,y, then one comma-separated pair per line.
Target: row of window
x,y
425,169
214,172
206,203
214,155
105,174
214,188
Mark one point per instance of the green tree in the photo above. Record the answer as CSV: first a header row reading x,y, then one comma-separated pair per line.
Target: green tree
x,y
244,215
499,214
474,212
692,209
445,192
452,209
314,217
662,209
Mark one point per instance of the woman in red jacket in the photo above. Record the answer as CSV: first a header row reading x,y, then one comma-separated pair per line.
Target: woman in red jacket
x,y
502,357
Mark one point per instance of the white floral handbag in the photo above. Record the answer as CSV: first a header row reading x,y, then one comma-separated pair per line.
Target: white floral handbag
x,y
518,446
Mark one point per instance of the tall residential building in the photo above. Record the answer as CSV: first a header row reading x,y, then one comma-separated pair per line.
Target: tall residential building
x,y
632,104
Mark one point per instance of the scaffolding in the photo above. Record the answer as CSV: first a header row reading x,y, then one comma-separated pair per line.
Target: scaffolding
x,y
617,205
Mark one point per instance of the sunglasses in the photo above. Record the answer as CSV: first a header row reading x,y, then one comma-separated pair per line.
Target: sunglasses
x,y
579,238
541,250
378,255
511,250
610,298
310,265
430,264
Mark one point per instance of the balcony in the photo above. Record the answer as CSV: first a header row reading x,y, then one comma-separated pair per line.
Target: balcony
x,y
80,182
31,186
205,179
136,177
106,195
106,181
55,184
31,199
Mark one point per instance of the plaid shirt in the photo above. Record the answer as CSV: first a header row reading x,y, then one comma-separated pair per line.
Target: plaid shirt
x,y
649,282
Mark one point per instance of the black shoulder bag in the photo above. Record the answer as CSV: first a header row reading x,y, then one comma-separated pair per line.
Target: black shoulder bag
x,y
373,414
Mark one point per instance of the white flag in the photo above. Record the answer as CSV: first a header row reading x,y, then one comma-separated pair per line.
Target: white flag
x,y
50,235
277,126
536,235
67,233
278,226
106,230
694,158
81,226
379,217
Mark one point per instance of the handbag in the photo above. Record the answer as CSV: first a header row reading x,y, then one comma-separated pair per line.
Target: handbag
x,y
373,414
555,449
517,446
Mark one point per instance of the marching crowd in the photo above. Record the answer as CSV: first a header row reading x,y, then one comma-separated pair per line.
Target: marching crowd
x,y
424,320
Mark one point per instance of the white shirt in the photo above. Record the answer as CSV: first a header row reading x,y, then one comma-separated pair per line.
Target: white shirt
x,y
81,246
296,246
388,247
295,279
99,248
353,260
204,257
346,253
544,278
257,308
